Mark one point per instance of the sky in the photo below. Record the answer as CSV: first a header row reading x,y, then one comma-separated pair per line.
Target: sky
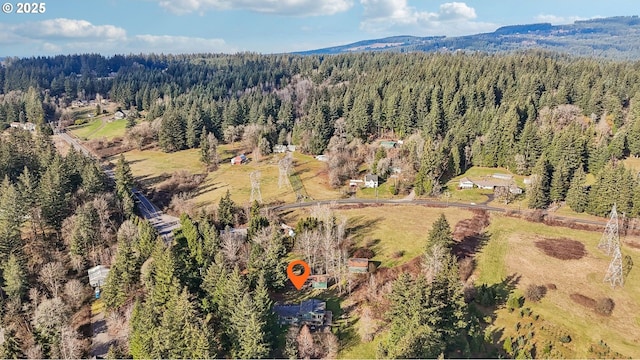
x,y
265,26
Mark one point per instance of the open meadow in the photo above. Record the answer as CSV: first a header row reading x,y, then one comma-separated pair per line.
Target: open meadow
x,y
151,167
512,252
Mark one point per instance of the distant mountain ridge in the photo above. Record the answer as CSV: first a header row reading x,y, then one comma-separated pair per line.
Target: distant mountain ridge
x,y
614,37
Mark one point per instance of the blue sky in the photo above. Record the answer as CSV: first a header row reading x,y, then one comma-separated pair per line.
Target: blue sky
x,y
267,26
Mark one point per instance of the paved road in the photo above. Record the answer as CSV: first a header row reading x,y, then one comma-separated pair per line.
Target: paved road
x,y
434,203
163,223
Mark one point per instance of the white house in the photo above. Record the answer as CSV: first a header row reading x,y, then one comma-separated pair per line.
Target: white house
x,y
465,183
29,126
323,158
98,275
371,181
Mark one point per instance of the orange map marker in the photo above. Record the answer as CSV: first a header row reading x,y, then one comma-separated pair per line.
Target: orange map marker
x,y
298,280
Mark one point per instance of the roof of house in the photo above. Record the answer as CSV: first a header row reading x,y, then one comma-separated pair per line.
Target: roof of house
x,y
466,179
371,177
306,307
358,262
98,275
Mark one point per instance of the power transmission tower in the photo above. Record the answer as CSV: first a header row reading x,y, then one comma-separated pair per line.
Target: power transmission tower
x,y
614,273
610,238
284,165
256,195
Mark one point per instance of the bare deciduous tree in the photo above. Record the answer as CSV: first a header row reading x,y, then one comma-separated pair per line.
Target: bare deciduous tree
x,y
52,275
50,317
306,345
71,346
75,293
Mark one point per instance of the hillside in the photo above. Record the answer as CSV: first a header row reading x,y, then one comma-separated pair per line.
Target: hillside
x,y
614,37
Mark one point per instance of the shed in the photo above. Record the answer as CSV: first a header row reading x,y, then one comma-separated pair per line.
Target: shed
x,y
323,158
240,159
358,265
319,281
98,275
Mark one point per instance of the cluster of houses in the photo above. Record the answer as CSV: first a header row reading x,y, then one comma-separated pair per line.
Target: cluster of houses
x,y
491,183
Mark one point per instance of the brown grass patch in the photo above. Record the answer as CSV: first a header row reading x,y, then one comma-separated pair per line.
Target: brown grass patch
x,y
583,300
563,249
633,244
469,234
551,286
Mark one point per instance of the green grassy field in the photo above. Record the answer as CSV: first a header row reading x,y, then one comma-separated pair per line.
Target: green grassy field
x,y
152,166
314,177
511,251
391,228
97,129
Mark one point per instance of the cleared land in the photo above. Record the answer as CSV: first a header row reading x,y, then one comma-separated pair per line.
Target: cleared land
x,y
512,250
396,233
100,128
151,167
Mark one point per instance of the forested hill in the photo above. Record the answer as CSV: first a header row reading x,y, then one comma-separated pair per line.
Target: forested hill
x,y
614,37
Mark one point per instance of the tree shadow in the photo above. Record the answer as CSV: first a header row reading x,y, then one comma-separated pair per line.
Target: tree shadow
x,y
360,226
149,181
469,245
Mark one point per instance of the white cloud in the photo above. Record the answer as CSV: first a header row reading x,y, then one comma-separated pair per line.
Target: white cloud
x,y
452,18
70,28
557,20
281,7
63,36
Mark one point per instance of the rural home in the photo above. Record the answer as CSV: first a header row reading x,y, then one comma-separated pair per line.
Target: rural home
x,y
240,159
358,265
371,181
323,158
29,126
120,114
465,183
312,313
287,230
491,183
240,232
279,149
388,144
98,275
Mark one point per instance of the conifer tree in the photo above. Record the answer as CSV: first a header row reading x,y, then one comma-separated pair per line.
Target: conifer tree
x,y
440,233
559,182
52,193
124,184
226,211
11,219
248,331
538,192
194,127
577,198
15,278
